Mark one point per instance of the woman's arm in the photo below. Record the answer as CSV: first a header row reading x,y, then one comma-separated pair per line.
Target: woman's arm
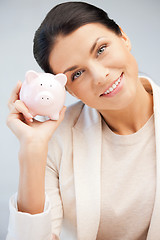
x,y
31,191
34,137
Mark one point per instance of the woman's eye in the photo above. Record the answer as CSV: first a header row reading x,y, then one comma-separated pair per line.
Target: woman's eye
x,y
101,50
77,74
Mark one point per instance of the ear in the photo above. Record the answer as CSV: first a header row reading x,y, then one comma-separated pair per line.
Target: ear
x,y
30,75
126,39
61,78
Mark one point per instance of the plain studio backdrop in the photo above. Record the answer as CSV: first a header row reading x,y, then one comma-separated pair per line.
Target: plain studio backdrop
x,y
19,19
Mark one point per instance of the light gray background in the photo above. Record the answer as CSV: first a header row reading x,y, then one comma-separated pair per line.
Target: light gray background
x,y
19,19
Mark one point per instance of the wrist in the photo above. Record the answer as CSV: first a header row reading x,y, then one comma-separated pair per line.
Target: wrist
x,y
33,152
32,158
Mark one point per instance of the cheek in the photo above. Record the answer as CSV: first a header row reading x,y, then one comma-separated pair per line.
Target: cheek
x,y
77,90
117,57
82,91
126,62
132,67
120,59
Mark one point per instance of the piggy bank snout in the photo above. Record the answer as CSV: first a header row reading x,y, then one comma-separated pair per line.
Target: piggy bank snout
x,y
44,98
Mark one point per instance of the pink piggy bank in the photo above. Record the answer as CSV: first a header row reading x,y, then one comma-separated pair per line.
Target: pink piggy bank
x,y
44,93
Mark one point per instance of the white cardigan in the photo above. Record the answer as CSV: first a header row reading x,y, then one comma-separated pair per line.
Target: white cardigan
x,y
73,181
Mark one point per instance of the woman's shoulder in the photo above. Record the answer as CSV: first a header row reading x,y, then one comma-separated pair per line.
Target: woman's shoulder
x,y
72,113
74,108
149,84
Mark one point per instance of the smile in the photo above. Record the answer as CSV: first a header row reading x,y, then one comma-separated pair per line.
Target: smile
x,y
115,86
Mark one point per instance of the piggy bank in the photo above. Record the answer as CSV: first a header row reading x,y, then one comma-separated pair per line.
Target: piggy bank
x,y
44,93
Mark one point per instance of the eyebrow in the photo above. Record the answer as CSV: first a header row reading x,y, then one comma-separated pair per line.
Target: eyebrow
x,y
70,69
91,51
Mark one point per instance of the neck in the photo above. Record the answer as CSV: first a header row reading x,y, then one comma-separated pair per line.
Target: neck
x,y
130,119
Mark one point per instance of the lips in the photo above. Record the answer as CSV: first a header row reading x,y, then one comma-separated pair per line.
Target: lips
x,y
112,86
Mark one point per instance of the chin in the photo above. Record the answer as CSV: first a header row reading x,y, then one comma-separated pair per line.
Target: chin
x,y
125,102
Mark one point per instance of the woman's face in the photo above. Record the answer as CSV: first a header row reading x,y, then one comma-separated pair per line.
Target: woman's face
x,y
100,69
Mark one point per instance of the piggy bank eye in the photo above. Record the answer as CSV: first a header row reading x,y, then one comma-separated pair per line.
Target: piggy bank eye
x,y
41,84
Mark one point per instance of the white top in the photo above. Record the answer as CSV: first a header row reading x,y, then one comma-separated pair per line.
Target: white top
x,y
74,182
127,183
127,193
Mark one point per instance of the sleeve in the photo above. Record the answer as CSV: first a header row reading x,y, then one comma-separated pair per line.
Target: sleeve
x,y
46,225
27,226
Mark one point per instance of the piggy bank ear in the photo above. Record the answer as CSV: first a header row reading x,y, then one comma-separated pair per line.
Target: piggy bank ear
x,y
61,78
30,75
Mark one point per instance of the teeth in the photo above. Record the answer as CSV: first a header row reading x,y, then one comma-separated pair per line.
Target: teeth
x,y
107,92
113,86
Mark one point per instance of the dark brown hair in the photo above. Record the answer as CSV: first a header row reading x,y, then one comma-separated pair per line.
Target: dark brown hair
x,y
63,19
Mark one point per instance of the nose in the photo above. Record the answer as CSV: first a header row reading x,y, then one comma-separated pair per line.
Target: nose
x,y
44,98
99,73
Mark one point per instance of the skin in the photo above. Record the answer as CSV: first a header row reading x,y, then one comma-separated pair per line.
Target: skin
x,y
128,110
125,113
33,137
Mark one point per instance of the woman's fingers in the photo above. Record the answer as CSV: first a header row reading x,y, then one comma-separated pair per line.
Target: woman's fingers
x,y
19,107
16,106
18,116
57,122
54,237
48,127
14,95
20,120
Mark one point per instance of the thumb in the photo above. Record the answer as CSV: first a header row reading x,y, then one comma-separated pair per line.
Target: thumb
x,y
51,125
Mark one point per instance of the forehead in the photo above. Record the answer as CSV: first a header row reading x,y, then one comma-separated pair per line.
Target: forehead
x,y
71,48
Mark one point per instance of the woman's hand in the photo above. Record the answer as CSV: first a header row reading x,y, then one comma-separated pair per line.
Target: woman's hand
x,y
33,137
21,122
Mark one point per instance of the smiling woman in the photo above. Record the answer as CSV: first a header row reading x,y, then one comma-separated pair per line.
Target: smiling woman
x,y
101,166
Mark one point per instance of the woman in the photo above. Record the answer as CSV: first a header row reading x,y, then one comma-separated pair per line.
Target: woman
x,y
100,172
